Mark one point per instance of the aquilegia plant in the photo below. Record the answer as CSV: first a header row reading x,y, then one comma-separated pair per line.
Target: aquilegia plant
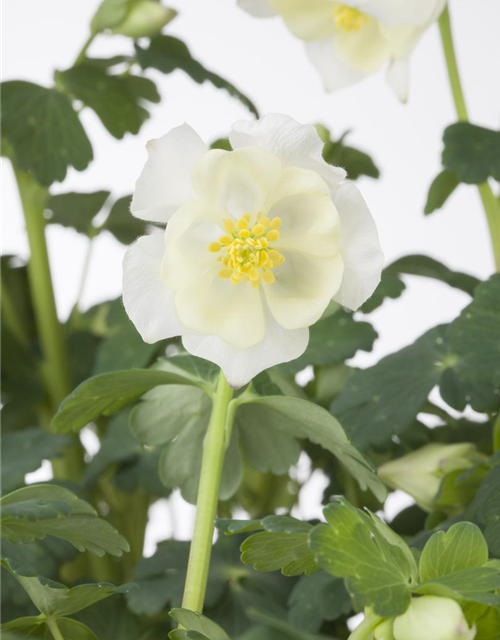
x,y
224,375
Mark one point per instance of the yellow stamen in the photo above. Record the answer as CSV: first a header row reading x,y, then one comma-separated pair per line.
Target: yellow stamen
x,y
349,19
246,253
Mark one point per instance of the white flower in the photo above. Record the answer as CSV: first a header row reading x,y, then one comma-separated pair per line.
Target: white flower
x,y
420,472
433,618
347,41
259,240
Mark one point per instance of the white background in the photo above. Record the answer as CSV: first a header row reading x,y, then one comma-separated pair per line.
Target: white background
x,y
263,59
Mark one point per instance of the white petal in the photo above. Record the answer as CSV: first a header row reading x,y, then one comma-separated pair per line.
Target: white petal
x,y
309,220
165,181
396,12
303,288
366,50
241,365
398,77
307,19
237,181
335,73
190,231
359,247
296,144
257,8
214,306
147,300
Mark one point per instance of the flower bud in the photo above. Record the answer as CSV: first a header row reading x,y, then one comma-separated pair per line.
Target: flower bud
x,y
145,18
420,472
433,618
133,18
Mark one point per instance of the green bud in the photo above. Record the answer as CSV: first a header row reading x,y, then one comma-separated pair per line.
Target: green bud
x,y
420,472
433,618
145,18
133,18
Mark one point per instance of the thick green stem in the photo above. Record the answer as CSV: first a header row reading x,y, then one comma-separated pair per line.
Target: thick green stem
x,y
83,51
490,204
365,629
54,629
208,495
56,368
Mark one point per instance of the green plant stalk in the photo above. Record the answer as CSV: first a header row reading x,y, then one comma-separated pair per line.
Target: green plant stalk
x,y
57,375
208,494
54,629
365,629
490,204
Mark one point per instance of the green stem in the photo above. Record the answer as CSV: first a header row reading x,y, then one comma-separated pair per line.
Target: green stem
x,y
496,433
83,51
490,204
54,629
365,629
85,271
208,494
56,368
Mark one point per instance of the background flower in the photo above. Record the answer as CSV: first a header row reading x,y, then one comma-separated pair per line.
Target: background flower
x,y
259,240
347,41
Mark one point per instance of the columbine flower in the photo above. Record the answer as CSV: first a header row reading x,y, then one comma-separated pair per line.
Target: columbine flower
x,y
433,618
420,472
259,240
347,41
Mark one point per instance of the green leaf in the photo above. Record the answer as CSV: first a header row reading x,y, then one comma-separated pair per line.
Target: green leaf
x,y
107,393
474,345
76,210
24,451
167,54
392,285
462,547
110,620
276,629
36,627
333,339
472,152
44,131
117,100
317,598
443,185
485,510
303,419
192,621
33,512
122,224
357,163
384,400
282,546
54,599
476,584
362,550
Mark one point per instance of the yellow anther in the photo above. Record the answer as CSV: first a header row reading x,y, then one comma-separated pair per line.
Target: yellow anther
x,y
349,19
258,229
247,255
229,225
274,255
268,276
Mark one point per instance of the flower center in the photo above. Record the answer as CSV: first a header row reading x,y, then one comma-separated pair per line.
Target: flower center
x,y
349,19
246,251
